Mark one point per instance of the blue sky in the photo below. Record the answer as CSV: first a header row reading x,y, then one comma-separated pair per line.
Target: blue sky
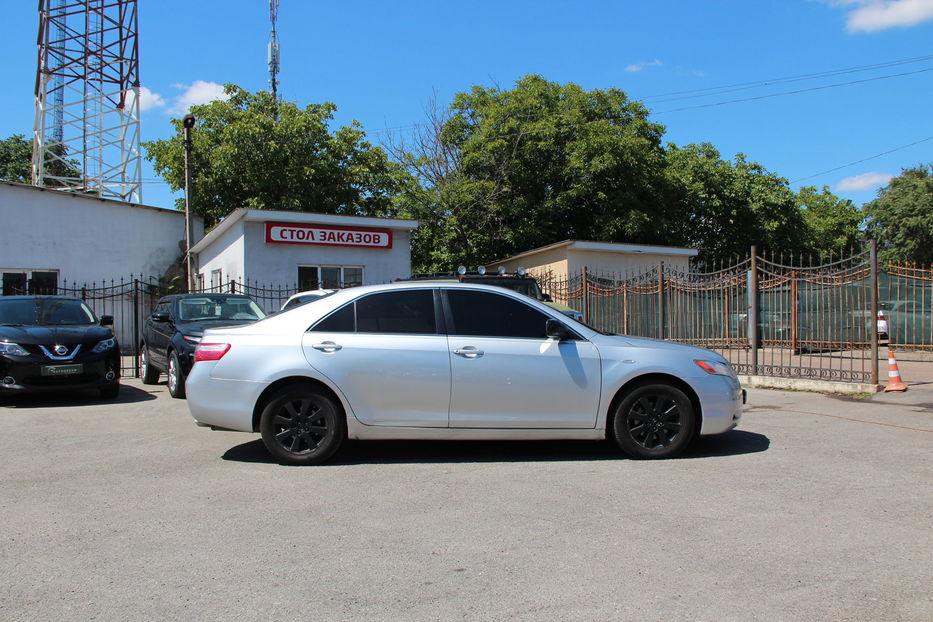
x,y
381,62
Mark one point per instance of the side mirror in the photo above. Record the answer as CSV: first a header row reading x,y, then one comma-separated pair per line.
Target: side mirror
x,y
546,298
106,320
555,330
159,316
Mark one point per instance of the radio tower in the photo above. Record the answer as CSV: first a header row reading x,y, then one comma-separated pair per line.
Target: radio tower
x,y
274,49
87,98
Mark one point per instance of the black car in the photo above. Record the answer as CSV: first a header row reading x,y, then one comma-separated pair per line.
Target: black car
x,y
175,328
56,343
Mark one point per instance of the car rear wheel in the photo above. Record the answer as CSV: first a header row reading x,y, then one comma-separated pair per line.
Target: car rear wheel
x,y
301,425
148,373
654,421
176,380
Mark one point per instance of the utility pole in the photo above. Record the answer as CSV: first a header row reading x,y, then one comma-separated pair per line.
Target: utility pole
x,y
274,49
188,123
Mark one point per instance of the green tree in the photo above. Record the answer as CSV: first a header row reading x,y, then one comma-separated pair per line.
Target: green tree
x,y
504,171
901,218
254,151
832,223
722,208
16,161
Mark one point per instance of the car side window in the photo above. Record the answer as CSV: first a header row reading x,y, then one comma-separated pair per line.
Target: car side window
x,y
342,320
485,314
405,312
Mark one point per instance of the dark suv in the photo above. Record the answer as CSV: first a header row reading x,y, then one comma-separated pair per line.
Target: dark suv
x,y
175,328
56,343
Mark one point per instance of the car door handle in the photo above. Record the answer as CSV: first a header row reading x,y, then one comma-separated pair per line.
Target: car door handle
x,y
469,352
327,346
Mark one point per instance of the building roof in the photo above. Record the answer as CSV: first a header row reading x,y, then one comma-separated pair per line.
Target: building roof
x,y
262,215
606,247
89,197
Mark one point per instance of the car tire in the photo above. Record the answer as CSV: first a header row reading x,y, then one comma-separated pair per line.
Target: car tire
x,y
111,392
148,373
176,380
654,421
301,425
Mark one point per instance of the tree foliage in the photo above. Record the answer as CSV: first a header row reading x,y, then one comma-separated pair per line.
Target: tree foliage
x,y
901,218
254,151
16,161
832,224
503,171
723,208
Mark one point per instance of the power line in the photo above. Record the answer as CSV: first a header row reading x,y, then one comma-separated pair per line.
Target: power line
x,y
832,170
716,90
796,92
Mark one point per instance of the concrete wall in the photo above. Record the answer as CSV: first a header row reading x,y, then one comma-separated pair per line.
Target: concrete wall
x,y
85,238
553,262
227,254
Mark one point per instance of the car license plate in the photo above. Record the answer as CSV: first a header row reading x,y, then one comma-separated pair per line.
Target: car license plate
x,y
62,370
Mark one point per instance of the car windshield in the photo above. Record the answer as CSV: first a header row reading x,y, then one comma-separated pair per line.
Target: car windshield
x,y
218,308
45,312
526,286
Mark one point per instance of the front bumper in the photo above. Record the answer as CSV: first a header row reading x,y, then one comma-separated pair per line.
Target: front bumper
x,y
26,373
721,400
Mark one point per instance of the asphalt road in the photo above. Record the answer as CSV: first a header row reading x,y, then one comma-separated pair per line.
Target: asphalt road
x,y
816,508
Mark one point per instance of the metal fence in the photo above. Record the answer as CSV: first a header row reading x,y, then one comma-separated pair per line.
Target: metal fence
x,y
769,316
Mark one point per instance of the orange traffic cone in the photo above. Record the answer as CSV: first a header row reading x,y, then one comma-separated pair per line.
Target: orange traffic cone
x,y
895,384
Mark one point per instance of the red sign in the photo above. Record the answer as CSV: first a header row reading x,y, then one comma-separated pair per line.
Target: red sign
x,y
280,233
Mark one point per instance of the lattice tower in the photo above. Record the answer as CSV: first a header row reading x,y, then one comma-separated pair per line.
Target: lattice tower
x,y
87,98
274,48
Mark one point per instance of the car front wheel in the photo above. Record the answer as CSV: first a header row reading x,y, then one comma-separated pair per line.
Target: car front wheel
x,y
301,425
176,380
654,421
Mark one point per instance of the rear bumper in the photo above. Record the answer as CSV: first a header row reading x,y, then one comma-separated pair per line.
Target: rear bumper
x,y
220,403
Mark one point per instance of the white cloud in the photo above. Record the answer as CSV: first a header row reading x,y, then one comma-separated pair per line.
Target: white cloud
x,y
148,99
640,66
864,181
198,92
875,15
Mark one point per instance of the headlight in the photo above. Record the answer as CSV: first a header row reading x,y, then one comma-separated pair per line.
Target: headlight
x,y
192,339
13,348
103,346
718,368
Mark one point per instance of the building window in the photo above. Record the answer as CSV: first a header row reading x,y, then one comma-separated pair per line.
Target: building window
x,y
216,278
19,282
329,277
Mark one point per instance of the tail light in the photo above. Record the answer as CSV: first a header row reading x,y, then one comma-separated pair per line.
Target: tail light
x,y
210,351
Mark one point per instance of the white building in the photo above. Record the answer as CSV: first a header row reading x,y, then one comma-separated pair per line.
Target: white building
x,y
307,251
50,237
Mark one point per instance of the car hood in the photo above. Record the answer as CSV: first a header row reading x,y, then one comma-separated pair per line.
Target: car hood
x,y
61,335
196,329
655,344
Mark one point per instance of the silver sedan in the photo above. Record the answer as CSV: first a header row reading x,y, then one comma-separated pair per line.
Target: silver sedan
x,y
452,361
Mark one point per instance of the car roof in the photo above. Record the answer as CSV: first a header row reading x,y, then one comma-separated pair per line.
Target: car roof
x,y
41,297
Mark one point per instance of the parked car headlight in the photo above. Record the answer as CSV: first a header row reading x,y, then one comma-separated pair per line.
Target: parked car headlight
x,y
103,346
13,348
718,368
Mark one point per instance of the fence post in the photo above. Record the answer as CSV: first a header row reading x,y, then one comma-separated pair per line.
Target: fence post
x,y
136,328
661,300
873,323
753,309
232,286
586,296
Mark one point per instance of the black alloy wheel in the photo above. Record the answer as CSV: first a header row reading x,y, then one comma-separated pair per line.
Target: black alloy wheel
x,y
301,425
654,421
176,381
148,373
